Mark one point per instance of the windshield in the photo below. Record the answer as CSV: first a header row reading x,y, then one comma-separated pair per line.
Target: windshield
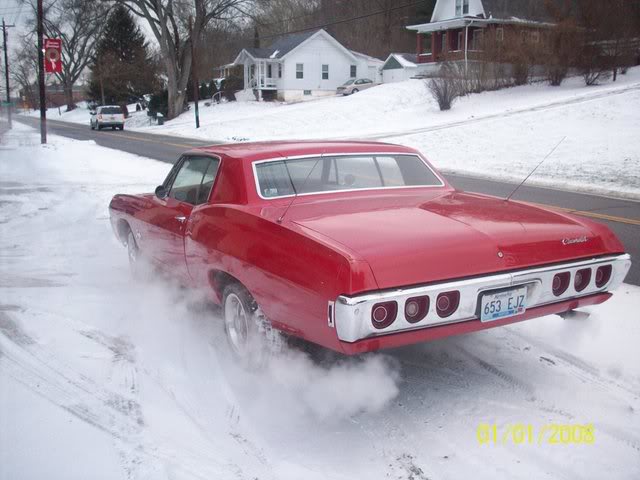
x,y
349,172
111,110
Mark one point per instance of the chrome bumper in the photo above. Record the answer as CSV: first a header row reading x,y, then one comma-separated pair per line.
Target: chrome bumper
x,y
352,315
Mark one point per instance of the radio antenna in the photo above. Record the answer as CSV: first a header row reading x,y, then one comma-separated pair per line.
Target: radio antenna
x,y
541,162
295,190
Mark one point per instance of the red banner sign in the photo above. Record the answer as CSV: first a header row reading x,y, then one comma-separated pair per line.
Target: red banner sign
x,y
52,55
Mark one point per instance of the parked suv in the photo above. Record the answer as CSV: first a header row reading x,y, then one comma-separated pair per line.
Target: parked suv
x,y
107,116
354,86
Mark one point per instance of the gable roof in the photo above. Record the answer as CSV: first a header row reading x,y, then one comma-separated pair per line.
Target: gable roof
x,y
404,60
285,44
531,10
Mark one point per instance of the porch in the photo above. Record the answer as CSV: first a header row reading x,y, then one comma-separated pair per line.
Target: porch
x,y
262,74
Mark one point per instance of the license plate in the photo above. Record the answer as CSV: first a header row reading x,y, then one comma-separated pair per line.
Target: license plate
x,y
499,305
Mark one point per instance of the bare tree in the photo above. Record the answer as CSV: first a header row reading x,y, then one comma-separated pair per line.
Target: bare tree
x,y
78,24
169,22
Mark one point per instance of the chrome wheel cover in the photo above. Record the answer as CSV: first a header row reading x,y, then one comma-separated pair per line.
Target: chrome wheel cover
x,y
132,249
236,321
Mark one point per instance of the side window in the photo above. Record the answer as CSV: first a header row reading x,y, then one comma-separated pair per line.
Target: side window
x,y
192,183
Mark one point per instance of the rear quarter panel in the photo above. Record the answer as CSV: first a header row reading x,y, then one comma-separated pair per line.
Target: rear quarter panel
x,y
291,276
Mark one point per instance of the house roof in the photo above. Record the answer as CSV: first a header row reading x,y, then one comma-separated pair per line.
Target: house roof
x,y
526,10
405,60
500,11
282,45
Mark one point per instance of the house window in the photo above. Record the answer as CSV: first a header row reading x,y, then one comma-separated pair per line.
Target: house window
x,y
523,36
462,7
499,34
299,70
279,70
325,72
354,71
426,44
269,70
535,37
307,92
476,42
445,47
460,41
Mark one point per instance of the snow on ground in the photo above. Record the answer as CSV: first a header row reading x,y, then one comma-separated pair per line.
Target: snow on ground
x,y
81,115
103,377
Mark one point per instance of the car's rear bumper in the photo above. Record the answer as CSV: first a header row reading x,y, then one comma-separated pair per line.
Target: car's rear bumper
x,y
110,124
351,316
451,329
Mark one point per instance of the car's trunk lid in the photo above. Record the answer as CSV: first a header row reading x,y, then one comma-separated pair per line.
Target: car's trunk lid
x,y
407,240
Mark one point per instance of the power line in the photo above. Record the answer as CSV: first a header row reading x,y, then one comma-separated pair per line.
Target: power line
x,y
347,20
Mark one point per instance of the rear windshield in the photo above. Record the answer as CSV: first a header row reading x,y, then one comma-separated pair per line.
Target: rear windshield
x,y
280,178
111,110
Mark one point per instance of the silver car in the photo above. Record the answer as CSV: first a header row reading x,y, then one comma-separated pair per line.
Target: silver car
x,y
354,86
107,116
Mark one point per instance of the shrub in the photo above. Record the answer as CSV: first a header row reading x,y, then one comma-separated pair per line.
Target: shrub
x,y
446,87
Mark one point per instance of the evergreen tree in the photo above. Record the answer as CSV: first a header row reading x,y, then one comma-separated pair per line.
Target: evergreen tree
x,y
122,69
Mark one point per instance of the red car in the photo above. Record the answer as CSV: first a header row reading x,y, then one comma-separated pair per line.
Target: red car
x,y
359,246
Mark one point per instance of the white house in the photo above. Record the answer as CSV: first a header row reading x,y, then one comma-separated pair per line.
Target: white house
x,y
304,64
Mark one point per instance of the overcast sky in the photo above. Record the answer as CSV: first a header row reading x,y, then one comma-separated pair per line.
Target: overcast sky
x,y
14,13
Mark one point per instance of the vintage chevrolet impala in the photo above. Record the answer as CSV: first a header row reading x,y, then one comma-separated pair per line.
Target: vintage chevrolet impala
x,y
359,246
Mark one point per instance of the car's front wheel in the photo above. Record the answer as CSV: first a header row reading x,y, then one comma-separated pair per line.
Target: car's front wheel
x,y
250,335
355,90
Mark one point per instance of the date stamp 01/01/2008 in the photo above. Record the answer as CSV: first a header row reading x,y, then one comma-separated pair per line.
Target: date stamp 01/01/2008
x,y
528,434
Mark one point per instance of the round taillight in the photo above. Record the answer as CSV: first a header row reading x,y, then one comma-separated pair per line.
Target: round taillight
x,y
447,303
560,283
416,308
582,279
384,314
603,275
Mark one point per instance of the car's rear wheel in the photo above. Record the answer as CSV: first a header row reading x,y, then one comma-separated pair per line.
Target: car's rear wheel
x,y
251,338
92,126
133,252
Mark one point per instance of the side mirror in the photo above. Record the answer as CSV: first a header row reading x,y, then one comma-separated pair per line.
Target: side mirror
x,y
161,192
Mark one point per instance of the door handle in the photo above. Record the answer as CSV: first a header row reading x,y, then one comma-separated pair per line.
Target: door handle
x,y
181,218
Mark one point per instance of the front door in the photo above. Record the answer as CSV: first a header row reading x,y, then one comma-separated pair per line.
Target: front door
x,y
188,186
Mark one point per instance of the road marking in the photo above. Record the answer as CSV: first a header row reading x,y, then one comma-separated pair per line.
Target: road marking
x,y
601,216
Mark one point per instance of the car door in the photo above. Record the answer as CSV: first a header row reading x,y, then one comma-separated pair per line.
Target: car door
x,y
187,186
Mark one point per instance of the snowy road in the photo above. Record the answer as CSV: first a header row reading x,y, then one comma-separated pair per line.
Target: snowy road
x,y
101,377
621,215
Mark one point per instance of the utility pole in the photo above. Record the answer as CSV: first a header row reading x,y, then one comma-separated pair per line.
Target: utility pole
x,y
43,100
6,68
194,73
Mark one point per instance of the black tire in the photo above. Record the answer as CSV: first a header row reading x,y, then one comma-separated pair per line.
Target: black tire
x,y
251,339
355,90
92,126
113,128
99,127
121,127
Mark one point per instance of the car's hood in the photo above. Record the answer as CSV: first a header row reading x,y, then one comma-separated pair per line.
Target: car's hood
x,y
456,235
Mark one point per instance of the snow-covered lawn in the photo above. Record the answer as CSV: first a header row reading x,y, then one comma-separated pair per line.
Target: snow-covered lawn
x,y
103,377
501,135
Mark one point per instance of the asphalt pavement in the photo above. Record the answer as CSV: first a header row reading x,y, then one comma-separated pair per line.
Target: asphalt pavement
x,y
621,215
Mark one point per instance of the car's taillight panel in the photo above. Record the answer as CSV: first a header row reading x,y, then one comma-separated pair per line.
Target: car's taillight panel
x,y
560,283
582,279
447,303
603,275
384,314
416,308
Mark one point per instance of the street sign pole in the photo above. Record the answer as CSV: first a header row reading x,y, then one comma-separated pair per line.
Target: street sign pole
x,y
43,100
6,69
194,74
